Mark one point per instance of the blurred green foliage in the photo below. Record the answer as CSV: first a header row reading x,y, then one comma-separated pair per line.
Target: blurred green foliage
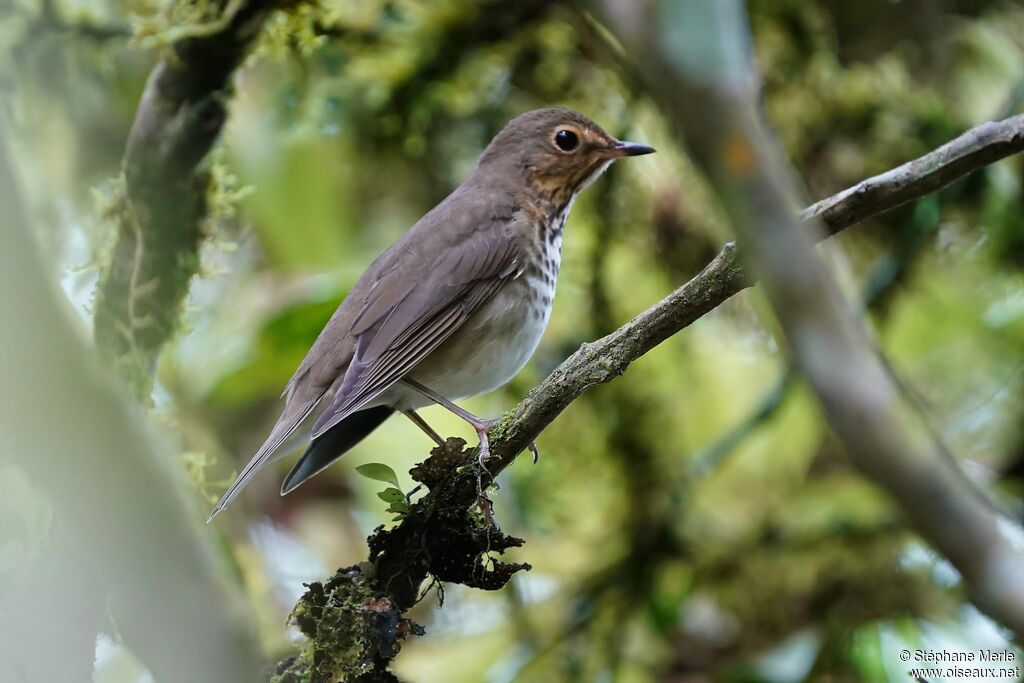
x,y
694,520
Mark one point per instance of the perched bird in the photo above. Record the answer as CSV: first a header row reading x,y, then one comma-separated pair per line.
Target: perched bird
x,y
456,306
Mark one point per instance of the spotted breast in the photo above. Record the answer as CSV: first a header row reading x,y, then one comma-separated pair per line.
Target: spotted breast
x,y
498,340
456,306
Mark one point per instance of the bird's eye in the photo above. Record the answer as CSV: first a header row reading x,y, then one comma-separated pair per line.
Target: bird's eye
x,y
566,140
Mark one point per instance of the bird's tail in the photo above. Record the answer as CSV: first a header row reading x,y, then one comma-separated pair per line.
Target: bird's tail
x,y
271,449
333,444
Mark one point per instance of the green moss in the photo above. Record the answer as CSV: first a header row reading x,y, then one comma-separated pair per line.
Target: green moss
x,y
223,192
295,31
183,20
353,630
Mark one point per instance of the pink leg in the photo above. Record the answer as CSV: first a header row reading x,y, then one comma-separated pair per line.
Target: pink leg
x,y
482,426
422,424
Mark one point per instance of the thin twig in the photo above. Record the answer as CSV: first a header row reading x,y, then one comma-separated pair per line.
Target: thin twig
x,y
980,146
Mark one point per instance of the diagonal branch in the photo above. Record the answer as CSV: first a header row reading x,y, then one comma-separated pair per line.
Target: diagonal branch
x,y
980,146
884,435
180,117
607,358
422,545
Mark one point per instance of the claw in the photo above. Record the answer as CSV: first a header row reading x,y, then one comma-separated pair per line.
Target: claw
x,y
485,446
485,455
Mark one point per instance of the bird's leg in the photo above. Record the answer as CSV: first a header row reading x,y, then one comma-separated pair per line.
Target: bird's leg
x,y
479,424
482,426
422,424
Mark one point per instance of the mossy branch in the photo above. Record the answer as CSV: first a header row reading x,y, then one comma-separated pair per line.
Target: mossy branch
x,y
444,537
164,199
123,545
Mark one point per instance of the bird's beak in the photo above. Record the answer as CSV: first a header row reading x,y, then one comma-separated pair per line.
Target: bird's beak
x,y
630,149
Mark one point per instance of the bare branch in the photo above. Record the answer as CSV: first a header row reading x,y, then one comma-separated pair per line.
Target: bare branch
x,y
980,146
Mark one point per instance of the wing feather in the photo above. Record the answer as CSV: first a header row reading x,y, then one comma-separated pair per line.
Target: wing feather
x,y
464,278
397,313
285,427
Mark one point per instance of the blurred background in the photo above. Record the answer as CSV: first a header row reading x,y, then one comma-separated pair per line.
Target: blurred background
x,y
694,520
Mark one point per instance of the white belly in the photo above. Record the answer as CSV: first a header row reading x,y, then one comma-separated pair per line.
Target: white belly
x,y
485,353
488,350
492,346
497,352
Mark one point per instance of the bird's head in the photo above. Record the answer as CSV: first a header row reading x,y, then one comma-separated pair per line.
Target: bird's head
x,y
559,151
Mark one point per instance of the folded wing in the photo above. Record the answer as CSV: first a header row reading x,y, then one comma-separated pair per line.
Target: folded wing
x,y
391,338
392,320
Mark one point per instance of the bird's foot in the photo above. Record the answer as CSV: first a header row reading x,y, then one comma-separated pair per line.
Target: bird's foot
x,y
481,426
483,429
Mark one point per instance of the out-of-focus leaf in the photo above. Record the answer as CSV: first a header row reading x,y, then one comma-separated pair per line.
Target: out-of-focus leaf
x,y
303,198
277,351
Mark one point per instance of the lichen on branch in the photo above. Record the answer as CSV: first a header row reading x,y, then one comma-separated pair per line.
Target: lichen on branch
x,y
420,547
354,622
161,212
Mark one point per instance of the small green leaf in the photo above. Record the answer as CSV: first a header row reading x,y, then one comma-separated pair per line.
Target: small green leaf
x,y
391,496
400,508
379,472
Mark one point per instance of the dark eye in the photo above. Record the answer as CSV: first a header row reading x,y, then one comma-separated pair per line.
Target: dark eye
x,y
566,140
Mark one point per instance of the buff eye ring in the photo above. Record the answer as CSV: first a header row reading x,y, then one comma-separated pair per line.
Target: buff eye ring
x,y
566,140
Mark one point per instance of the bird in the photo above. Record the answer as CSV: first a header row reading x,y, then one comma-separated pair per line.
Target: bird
x,y
455,307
